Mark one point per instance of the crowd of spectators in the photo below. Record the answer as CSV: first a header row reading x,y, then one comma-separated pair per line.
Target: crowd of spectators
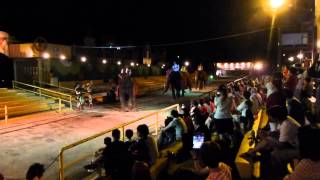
x,y
222,119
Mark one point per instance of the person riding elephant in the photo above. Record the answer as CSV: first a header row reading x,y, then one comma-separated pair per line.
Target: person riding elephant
x,y
174,81
126,90
185,80
201,77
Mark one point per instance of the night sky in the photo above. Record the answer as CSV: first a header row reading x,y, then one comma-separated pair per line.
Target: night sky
x,y
139,22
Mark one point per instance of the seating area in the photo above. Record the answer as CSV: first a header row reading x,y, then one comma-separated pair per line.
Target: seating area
x,y
20,103
254,128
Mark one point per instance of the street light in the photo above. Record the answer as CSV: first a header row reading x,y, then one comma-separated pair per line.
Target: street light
x,y
62,57
300,55
46,55
276,4
291,58
187,63
119,63
104,61
132,64
258,66
83,59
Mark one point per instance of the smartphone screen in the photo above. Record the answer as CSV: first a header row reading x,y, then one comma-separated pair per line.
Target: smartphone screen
x,y
198,140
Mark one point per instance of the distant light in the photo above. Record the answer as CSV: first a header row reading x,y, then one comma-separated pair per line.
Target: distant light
x,y
132,64
226,65
211,76
110,47
104,61
248,64
187,63
62,57
318,44
178,57
83,59
46,55
164,65
243,64
258,66
283,55
275,4
149,65
237,66
119,63
137,64
300,55
291,58
218,65
118,48
231,65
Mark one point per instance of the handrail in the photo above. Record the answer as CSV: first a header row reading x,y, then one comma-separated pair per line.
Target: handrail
x,y
209,92
122,126
60,87
68,96
49,90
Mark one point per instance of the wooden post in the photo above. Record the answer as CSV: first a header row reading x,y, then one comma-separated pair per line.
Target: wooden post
x,y
157,123
6,114
123,133
70,101
59,105
61,168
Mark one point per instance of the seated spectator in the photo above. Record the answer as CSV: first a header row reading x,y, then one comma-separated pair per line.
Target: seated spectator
x,y
187,119
256,100
275,95
35,172
200,127
284,148
129,134
145,149
98,162
309,166
140,171
211,156
295,107
116,158
194,106
306,93
246,119
167,137
178,124
263,95
204,107
211,104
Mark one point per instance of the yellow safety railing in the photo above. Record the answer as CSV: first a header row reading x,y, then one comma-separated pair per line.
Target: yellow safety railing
x,y
60,88
61,97
156,123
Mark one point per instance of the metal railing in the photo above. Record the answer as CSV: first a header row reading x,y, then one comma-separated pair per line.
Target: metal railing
x,y
61,97
155,123
48,85
208,94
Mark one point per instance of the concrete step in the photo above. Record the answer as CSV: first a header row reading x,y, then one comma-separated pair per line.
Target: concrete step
x,y
29,109
3,90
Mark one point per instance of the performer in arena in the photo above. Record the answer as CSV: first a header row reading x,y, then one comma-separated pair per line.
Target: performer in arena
x,y
201,77
89,94
126,90
174,81
185,80
79,96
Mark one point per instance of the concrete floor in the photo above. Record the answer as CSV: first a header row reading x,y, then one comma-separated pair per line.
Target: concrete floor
x,y
39,137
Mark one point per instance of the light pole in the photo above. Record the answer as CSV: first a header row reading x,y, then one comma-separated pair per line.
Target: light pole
x,y
275,5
